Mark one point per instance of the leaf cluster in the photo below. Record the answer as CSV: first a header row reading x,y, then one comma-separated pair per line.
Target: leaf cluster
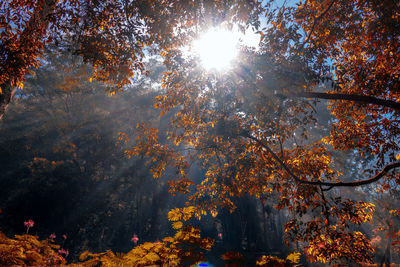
x,y
27,250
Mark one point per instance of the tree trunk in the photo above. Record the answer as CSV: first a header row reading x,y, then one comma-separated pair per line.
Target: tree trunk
x,y
5,97
386,260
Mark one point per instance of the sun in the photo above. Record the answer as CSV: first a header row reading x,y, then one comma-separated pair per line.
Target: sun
x,y
217,48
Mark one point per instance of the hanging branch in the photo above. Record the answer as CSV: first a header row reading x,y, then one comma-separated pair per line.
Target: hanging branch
x,y
373,179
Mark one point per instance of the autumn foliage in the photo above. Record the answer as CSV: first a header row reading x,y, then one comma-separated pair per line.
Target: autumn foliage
x,y
27,250
249,128
185,248
252,129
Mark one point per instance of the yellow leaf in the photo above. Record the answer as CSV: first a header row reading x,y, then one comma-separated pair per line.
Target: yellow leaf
x,y
214,213
168,239
397,156
188,212
174,215
147,245
84,255
90,79
152,257
294,257
177,225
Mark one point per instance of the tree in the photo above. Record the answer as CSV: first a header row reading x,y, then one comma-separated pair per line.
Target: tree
x,y
110,35
249,128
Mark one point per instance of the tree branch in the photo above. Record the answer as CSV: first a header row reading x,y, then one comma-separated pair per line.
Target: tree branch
x,y
350,97
315,23
373,179
34,32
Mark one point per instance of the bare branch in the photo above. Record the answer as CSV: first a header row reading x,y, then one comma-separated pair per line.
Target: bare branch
x,y
350,97
327,189
373,179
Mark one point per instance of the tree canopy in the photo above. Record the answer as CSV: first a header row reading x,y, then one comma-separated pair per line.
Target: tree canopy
x,y
253,129
110,35
250,129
